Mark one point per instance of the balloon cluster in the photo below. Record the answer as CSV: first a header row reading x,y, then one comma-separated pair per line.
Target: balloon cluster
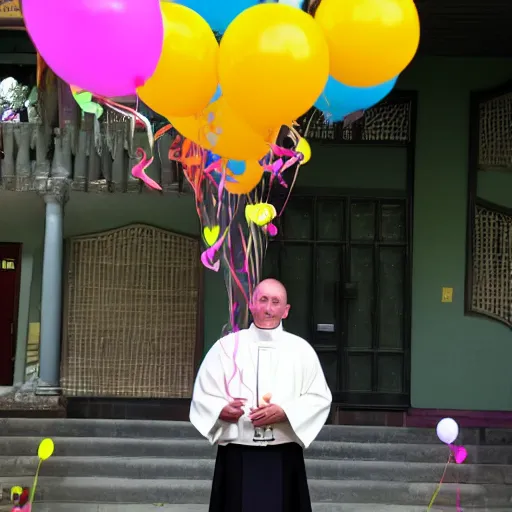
x,y
229,101
274,62
448,431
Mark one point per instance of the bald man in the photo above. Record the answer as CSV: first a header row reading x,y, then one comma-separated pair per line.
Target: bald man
x,y
261,396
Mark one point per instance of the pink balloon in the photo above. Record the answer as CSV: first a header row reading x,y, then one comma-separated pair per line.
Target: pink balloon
x,y
459,453
107,47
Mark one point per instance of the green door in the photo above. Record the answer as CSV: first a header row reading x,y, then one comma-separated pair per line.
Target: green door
x,y
344,261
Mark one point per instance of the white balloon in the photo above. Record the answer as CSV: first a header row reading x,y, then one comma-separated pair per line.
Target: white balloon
x,y
447,430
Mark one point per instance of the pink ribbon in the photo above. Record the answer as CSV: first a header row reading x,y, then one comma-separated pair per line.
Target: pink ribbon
x,y
139,170
208,256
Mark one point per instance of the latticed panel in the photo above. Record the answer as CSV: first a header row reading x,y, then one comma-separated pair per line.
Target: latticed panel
x,y
388,122
132,314
492,265
495,133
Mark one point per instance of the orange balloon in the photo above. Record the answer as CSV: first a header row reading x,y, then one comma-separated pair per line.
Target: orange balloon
x,y
220,130
273,64
370,41
245,182
185,79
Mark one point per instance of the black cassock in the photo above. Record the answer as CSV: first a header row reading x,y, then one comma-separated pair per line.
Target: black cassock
x,y
260,479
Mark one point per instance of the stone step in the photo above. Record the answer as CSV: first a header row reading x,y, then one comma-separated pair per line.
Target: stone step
x,y
160,507
197,448
202,469
174,429
118,490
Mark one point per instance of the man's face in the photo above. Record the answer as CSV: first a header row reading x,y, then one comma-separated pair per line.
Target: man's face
x,y
269,305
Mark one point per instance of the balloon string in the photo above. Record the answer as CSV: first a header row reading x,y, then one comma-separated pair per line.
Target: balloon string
x,y
33,491
439,485
290,190
308,126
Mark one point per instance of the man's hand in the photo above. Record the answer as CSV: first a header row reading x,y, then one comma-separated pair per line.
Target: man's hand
x,y
233,411
267,415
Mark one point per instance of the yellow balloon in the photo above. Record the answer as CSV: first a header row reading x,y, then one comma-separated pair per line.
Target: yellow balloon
x,y
185,79
45,450
221,131
245,182
273,64
370,41
304,148
260,214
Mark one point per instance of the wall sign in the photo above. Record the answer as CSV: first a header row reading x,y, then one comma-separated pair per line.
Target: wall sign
x,y
10,9
8,264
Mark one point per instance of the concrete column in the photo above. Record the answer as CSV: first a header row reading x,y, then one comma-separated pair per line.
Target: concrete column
x,y
51,297
20,365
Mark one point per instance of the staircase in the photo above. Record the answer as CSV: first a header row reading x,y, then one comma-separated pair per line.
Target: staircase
x,y
110,465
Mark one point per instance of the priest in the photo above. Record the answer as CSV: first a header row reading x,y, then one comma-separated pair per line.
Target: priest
x,y
261,396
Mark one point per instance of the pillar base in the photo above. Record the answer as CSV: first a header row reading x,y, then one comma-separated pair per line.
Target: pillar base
x,y
48,391
23,402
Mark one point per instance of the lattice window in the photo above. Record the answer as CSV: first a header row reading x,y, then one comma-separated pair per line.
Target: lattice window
x,y
495,128
132,311
492,265
388,122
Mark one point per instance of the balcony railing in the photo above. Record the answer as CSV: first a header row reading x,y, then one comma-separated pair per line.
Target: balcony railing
x,y
92,157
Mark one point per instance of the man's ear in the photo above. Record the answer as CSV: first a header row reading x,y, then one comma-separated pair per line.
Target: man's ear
x,y
286,311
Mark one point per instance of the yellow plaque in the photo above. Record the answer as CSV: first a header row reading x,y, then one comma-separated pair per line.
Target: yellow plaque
x,y
447,295
34,332
8,264
10,9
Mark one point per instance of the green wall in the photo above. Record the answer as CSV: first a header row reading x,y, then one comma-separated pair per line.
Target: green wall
x,y
458,362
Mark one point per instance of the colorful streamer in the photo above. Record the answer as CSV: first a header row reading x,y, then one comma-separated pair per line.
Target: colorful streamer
x,y
235,228
93,104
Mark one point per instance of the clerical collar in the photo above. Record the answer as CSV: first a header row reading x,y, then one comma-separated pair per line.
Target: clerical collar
x,y
267,334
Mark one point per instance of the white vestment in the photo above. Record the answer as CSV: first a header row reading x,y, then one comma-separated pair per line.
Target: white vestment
x,y
288,368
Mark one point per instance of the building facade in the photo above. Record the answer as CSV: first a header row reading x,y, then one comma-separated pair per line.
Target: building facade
x,y
395,248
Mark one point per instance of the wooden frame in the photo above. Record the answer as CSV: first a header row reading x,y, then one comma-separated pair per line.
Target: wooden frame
x,y
199,343
16,299
476,99
408,197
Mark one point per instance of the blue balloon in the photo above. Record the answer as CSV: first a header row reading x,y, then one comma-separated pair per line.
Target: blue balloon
x,y
217,95
218,13
237,167
217,176
339,100
211,158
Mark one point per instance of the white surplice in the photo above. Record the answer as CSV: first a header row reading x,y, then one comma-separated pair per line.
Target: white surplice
x,y
289,369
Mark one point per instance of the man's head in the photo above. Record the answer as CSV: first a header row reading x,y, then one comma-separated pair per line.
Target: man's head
x,y
269,304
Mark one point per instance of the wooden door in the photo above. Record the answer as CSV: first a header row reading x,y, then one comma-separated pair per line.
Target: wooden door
x,y
10,270
344,261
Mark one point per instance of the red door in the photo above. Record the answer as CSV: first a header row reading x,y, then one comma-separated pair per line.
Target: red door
x,y
10,270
